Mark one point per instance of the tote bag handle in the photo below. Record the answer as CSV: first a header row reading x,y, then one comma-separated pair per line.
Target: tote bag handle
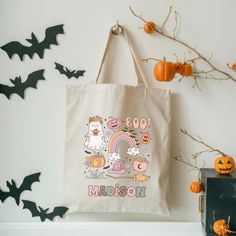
x,y
140,78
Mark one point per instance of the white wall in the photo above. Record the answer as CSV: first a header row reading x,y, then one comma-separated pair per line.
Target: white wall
x,y
32,131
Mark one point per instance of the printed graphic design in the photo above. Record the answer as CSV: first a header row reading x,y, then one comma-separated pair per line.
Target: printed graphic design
x,y
140,164
133,151
114,123
117,149
117,168
114,142
95,174
95,138
135,178
117,191
145,138
95,161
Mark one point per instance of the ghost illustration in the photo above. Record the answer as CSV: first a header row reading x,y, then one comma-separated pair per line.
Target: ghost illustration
x,y
95,138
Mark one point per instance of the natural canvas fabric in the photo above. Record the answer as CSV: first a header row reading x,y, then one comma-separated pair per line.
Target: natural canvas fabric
x,y
117,146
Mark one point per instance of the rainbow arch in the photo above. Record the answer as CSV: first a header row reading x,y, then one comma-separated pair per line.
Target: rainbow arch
x,y
117,138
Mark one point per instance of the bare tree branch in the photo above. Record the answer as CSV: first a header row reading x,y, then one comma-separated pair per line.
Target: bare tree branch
x,y
226,75
166,19
185,162
199,140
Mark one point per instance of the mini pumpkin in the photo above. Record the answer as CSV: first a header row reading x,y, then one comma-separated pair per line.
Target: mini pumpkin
x,y
164,71
224,165
149,27
221,228
145,138
95,161
186,70
178,66
195,187
233,66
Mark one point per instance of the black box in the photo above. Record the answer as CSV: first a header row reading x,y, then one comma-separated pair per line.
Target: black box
x,y
217,199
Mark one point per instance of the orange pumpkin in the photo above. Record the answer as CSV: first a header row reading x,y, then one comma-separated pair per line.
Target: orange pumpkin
x,y
233,66
224,165
186,70
164,71
195,187
96,161
145,138
178,66
149,27
221,228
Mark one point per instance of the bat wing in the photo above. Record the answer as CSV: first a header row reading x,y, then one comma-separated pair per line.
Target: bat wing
x,y
32,207
79,73
57,211
7,90
31,82
3,195
60,68
28,181
15,47
51,36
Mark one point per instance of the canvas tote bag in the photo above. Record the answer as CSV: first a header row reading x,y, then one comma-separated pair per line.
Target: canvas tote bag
x,y
117,146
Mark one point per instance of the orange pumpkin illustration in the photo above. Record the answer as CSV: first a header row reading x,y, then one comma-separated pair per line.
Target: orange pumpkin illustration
x,y
96,161
145,138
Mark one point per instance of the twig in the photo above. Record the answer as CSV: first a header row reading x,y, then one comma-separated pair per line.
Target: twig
x,y
176,56
193,60
206,60
228,65
176,24
207,77
199,140
150,58
197,154
140,17
167,17
180,159
195,84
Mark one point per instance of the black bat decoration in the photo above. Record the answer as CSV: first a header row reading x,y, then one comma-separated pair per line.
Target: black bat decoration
x,y
42,213
37,47
15,192
19,87
69,73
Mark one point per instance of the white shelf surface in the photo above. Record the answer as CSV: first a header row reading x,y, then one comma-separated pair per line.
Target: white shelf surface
x,y
101,229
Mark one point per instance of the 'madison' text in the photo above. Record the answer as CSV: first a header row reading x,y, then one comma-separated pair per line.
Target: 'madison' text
x,y
116,191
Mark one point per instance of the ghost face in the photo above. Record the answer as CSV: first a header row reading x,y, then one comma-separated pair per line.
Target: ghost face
x,y
95,128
